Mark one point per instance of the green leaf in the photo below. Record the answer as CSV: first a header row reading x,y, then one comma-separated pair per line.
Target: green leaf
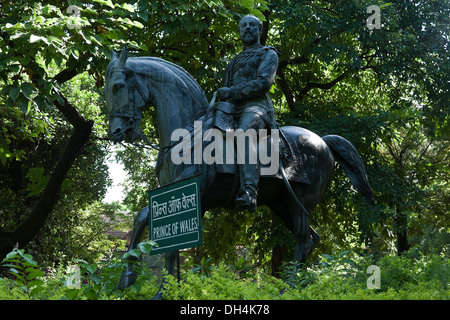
x,y
136,287
146,247
14,93
15,67
37,179
20,282
27,89
91,268
135,253
75,53
24,104
11,255
36,283
343,253
105,2
11,265
14,271
127,6
80,261
37,289
35,273
96,279
327,256
350,262
90,293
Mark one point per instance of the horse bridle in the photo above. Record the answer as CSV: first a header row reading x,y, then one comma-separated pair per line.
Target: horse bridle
x,y
134,85
133,117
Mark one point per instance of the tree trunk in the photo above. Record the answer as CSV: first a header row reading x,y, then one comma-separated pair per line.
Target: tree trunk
x,y
278,253
401,224
30,227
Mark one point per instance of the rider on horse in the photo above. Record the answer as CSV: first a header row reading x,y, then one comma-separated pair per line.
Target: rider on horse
x,y
248,79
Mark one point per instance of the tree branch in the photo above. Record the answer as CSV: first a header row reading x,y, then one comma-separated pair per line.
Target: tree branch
x,y
51,194
284,86
66,75
69,111
265,28
324,86
297,60
28,229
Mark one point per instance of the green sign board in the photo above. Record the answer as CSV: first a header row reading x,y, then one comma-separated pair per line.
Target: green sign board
x,y
175,216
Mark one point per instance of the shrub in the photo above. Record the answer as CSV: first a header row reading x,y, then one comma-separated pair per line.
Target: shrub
x,y
335,277
96,281
25,271
223,284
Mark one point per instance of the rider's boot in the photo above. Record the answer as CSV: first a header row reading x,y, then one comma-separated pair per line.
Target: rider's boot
x,y
248,194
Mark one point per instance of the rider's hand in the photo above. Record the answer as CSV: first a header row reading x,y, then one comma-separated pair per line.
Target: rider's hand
x,y
224,93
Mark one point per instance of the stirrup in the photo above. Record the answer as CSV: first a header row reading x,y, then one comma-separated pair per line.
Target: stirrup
x,y
245,200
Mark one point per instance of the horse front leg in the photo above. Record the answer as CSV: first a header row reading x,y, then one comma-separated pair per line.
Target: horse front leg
x,y
129,276
170,259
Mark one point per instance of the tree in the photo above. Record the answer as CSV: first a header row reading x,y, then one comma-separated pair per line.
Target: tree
x,y
35,35
338,76
381,89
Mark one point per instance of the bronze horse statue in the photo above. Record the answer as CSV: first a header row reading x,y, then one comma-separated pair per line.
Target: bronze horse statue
x,y
135,83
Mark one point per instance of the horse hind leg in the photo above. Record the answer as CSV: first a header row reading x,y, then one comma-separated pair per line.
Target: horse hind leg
x,y
306,237
303,239
315,237
129,276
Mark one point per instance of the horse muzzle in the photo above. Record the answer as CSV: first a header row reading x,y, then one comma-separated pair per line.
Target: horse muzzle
x,y
122,129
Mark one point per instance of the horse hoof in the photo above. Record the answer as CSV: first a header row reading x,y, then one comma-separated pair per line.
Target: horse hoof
x,y
158,296
128,278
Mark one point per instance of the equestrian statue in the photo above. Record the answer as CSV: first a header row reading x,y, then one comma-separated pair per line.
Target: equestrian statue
x,y
306,161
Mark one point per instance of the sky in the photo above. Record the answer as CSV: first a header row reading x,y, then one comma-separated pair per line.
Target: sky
x,y
118,175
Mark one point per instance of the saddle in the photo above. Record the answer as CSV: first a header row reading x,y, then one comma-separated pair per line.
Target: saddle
x,y
291,161
289,156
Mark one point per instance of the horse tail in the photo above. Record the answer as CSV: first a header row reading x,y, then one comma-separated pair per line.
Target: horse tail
x,y
350,160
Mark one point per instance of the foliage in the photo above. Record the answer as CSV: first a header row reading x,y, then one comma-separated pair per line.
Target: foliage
x,y
411,276
100,279
379,90
295,275
86,235
26,177
385,90
423,278
25,271
81,281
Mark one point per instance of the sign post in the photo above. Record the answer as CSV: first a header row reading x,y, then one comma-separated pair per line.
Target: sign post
x,y
175,216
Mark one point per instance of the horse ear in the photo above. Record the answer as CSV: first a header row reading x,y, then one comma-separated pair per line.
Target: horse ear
x,y
114,56
123,56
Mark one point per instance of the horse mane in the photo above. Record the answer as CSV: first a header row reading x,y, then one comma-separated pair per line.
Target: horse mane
x,y
194,89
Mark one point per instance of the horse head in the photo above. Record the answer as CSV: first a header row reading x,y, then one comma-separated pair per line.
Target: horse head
x,y
124,99
137,82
